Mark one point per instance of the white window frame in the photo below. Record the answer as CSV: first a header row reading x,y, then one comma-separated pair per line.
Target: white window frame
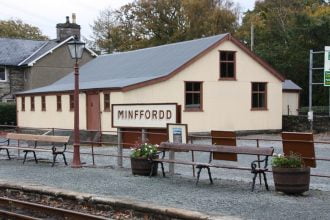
x,y
6,74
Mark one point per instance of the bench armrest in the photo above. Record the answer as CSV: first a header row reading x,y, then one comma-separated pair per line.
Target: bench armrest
x,y
5,141
161,152
255,163
54,149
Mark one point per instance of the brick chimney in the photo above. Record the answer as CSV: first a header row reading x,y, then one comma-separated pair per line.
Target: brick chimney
x,y
67,29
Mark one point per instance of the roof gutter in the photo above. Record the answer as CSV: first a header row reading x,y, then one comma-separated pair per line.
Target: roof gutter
x,y
68,91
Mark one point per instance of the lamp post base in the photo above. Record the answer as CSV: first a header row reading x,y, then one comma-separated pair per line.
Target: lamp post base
x,y
76,157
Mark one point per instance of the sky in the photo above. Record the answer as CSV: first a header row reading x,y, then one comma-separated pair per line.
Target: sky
x,y
46,14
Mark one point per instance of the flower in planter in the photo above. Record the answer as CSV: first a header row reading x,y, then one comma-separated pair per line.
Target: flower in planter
x,y
290,174
287,161
144,151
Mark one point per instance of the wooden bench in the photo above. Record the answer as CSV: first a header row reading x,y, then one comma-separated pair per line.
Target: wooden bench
x,y
56,142
254,168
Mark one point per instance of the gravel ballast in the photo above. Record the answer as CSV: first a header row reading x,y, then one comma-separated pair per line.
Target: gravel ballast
x,y
230,194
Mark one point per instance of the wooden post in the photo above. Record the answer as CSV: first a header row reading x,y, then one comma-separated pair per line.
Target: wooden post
x,y
120,148
171,165
144,136
93,153
258,157
192,157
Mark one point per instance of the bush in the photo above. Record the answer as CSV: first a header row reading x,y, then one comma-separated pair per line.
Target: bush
x,y
7,113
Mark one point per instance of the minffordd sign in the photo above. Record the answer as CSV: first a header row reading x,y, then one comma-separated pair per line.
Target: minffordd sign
x,y
143,115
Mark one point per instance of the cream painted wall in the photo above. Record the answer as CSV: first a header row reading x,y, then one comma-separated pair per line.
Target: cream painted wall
x,y
50,118
226,104
290,99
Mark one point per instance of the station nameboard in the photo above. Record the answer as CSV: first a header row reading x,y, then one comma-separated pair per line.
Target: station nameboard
x,y
143,115
327,66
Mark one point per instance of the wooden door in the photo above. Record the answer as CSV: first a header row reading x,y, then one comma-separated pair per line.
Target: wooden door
x,y
93,111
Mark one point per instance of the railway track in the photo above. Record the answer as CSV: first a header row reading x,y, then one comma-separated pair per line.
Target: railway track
x,y
17,209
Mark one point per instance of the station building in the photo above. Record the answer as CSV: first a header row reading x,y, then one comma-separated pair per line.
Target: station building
x,y
218,82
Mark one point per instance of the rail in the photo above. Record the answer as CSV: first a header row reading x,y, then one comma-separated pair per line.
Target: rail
x,y
12,205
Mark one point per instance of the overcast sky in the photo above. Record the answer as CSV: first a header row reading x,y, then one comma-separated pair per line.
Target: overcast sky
x,y
46,14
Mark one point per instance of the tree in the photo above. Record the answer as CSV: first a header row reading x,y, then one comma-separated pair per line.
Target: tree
x,y
18,29
146,23
285,31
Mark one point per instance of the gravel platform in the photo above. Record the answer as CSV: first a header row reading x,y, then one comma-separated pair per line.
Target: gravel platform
x,y
229,195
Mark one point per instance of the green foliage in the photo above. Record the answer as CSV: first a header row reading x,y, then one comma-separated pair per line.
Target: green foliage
x,y
318,110
144,151
18,29
7,113
150,23
289,161
285,31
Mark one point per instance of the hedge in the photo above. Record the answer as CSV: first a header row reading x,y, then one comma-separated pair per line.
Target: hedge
x,y
7,113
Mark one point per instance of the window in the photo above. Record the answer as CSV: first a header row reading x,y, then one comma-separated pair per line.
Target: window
x,y
59,103
259,96
106,102
23,104
32,103
227,64
193,96
43,103
3,75
71,103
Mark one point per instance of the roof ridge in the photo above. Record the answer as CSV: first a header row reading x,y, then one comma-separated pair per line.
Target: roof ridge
x,y
164,45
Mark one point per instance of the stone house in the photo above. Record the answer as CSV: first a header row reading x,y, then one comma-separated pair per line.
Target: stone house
x,y
29,64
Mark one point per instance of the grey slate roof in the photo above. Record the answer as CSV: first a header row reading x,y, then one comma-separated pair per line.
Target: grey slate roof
x,y
123,69
289,85
14,51
20,52
46,47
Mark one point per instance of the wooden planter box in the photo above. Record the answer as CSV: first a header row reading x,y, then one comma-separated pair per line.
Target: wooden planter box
x,y
291,180
142,167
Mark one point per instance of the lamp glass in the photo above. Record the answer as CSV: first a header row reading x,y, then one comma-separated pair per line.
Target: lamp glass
x,y
76,48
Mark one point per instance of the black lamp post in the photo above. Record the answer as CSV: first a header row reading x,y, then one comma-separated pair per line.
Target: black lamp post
x,y
76,49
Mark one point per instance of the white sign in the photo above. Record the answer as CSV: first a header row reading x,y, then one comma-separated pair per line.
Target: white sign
x,y
310,115
327,66
143,115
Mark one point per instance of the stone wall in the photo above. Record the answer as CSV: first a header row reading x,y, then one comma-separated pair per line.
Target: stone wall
x,y
15,83
17,80
301,123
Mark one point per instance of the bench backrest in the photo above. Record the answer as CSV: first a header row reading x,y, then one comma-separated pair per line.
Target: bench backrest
x,y
227,138
39,138
263,151
301,144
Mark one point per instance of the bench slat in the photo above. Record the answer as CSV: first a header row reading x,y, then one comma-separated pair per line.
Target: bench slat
x,y
265,151
26,148
40,138
224,166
